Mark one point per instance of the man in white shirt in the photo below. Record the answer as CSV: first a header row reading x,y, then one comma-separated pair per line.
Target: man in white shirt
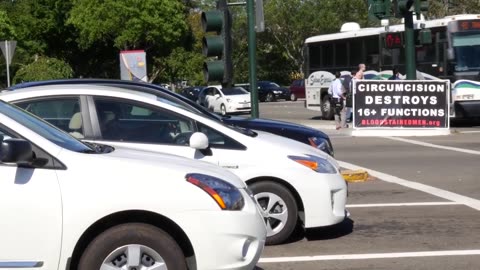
x,y
338,101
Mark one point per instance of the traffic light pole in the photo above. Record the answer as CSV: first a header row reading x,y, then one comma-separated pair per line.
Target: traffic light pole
x,y
411,69
252,60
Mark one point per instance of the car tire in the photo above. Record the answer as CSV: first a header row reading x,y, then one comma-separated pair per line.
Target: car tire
x,y
281,218
112,247
293,97
270,97
326,107
223,110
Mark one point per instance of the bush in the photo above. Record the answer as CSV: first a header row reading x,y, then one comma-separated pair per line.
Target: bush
x,y
44,68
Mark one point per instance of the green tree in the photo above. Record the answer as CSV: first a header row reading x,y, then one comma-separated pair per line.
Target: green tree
x,y
131,24
289,22
7,31
43,68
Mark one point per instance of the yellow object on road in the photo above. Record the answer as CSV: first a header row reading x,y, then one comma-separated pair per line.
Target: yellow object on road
x,y
355,175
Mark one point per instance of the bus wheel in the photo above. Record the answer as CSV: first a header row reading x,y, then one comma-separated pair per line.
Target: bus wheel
x,y
327,110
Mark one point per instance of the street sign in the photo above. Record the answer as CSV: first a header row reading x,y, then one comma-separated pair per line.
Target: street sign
x,y
8,49
401,104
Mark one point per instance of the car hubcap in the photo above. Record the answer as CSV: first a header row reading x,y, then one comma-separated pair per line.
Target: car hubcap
x,y
292,97
134,257
275,212
269,97
224,111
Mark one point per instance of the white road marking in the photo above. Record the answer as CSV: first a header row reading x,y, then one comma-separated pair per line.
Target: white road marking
x,y
402,204
371,256
450,196
473,152
469,132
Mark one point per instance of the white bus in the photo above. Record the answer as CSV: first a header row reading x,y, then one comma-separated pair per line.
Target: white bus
x,y
454,54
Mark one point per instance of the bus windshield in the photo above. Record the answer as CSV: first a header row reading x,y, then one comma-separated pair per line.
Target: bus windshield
x,y
467,51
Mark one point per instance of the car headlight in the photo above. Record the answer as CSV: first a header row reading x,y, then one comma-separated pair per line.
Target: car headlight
x,y
315,163
277,92
322,144
227,196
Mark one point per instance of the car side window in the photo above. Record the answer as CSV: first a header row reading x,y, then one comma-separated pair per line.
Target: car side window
x,y
63,113
219,140
133,122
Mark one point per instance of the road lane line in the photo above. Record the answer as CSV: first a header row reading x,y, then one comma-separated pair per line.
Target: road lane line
x,y
450,196
401,204
473,152
469,132
371,256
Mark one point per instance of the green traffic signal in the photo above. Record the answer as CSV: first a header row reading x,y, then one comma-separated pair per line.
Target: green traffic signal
x,y
217,45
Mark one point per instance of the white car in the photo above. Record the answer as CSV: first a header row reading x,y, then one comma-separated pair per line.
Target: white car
x,y
290,180
66,204
225,100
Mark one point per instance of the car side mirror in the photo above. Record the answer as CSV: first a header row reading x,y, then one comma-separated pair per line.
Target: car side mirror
x,y
15,151
199,141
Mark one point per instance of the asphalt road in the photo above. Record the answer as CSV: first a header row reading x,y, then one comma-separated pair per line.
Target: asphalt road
x,y
420,210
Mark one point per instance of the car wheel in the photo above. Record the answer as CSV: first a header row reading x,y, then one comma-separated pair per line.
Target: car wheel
x,y
133,246
223,110
270,97
293,97
279,210
327,110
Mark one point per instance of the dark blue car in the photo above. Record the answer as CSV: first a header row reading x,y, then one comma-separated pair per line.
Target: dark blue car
x,y
304,134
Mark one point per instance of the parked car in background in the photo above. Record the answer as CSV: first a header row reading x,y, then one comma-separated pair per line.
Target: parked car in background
x,y
225,100
192,92
270,91
306,135
73,205
290,180
297,90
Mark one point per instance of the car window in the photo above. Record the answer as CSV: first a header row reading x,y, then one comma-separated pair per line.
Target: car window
x,y
4,135
127,121
44,129
234,91
219,140
63,112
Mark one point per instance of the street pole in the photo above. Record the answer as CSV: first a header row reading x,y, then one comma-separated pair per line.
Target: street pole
x,y
411,69
7,57
252,60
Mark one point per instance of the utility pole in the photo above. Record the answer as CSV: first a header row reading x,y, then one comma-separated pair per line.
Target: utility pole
x,y
252,58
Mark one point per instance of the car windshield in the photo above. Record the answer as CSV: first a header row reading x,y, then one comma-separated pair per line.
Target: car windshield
x,y
234,91
44,129
467,51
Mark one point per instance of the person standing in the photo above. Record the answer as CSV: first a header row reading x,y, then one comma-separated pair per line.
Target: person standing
x,y
396,74
348,82
360,73
338,101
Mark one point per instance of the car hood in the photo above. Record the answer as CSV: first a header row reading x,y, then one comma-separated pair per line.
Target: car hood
x,y
290,147
259,123
173,162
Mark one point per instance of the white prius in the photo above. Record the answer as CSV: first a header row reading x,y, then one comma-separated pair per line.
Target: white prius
x,y
291,181
72,205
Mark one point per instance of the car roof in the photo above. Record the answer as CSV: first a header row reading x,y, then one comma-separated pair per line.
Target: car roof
x,y
71,89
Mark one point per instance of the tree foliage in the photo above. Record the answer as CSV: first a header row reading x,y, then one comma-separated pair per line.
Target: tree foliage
x,y
43,68
131,24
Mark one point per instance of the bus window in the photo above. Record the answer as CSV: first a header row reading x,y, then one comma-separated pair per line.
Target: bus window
x,y
327,55
371,44
341,55
314,58
356,52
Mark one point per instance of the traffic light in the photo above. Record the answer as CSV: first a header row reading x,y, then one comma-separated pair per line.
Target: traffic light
x,y
379,9
404,6
218,44
421,6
